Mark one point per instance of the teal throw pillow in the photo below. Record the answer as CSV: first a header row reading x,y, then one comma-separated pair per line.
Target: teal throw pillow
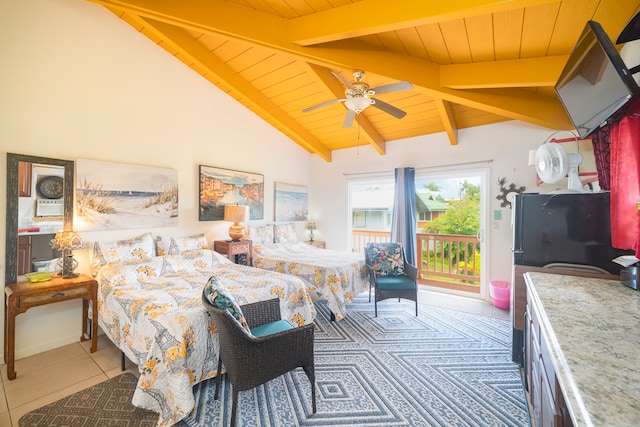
x,y
218,296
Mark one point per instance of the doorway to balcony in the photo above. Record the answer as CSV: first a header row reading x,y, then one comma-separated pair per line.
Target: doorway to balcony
x,y
451,207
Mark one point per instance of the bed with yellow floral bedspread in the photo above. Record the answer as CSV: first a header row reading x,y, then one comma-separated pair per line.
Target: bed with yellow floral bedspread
x,y
152,310
334,276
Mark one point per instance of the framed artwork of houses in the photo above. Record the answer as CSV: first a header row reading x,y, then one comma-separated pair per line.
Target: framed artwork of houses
x,y
220,187
117,196
291,202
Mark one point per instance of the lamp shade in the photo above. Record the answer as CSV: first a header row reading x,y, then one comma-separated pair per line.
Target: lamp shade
x,y
236,213
67,240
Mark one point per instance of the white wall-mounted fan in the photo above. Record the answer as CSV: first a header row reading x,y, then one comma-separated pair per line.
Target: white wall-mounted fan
x,y
359,96
554,163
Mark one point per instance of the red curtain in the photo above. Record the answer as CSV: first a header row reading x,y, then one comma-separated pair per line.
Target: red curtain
x,y
617,151
601,140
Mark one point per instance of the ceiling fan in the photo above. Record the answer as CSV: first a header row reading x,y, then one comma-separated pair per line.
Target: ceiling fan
x,y
359,96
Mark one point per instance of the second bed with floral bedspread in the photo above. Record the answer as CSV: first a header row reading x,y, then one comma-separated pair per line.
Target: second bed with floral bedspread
x,y
337,277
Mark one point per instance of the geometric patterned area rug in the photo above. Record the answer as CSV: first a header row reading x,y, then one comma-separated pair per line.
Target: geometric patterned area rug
x,y
104,404
442,368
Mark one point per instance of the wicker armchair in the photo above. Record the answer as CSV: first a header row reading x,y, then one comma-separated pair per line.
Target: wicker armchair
x,y
254,360
389,273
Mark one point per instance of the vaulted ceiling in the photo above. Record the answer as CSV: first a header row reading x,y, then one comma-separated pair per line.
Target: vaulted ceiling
x,y
470,62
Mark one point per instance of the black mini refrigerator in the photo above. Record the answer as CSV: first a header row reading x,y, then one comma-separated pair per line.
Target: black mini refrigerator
x,y
565,230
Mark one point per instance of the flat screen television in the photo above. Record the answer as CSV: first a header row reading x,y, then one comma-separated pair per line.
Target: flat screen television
x,y
595,83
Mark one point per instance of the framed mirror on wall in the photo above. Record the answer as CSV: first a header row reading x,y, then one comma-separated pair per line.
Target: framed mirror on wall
x,y
50,197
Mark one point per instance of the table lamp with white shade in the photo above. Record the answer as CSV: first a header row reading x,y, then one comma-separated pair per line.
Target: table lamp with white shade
x,y
311,226
67,241
236,214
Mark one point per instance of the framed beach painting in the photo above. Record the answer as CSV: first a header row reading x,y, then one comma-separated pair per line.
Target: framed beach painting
x,y
291,202
220,187
117,196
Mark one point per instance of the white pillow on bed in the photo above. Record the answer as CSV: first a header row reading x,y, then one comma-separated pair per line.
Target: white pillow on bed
x,y
140,247
285,232
178,245
261,234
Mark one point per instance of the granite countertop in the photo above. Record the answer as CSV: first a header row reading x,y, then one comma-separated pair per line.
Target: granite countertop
x,y
593,329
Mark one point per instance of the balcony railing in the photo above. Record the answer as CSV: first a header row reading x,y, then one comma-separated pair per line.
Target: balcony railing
x,y
449,261
361,238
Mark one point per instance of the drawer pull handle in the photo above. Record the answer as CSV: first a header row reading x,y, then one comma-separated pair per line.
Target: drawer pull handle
x,y
57,295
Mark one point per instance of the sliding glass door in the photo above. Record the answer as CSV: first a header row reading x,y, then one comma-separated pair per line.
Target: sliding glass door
x,y
451,211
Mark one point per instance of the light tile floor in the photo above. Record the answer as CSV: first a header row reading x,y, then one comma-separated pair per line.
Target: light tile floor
x,y
46,377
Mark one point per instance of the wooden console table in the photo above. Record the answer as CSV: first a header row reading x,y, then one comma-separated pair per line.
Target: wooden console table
x,y
19,297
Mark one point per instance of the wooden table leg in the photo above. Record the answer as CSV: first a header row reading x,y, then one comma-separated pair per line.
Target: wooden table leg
x,y
6,328
10,339
94,326
85,315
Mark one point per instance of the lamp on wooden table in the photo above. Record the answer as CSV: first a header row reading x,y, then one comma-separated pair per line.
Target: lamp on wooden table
x,y
67,241
311,226
236,214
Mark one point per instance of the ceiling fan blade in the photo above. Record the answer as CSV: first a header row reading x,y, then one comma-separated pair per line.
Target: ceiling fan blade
x,y
348,119
344,81
392,87
388,108
333,101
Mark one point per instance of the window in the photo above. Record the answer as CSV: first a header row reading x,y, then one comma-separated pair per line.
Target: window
x,y
387,220
424,216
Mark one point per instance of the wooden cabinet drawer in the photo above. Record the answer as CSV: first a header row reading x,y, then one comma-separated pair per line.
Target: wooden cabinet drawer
x,y
550,372
535,322
548,408
61,295
547,404
535,394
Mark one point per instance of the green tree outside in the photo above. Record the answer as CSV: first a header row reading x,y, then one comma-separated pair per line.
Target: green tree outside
x,y
462,215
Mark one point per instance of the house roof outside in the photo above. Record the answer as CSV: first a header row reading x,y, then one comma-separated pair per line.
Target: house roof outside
x,y
426,203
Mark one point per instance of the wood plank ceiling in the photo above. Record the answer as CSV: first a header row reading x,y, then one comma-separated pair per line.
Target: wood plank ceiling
x,y
471,62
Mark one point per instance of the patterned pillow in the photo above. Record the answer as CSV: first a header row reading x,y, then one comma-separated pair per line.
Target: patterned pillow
x,y
163,245
218,296
178,245
285,232
261,234
140,247
387,259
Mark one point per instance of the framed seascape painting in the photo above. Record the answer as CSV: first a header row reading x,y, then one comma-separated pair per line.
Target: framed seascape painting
x,y
220,187
117,196
291,202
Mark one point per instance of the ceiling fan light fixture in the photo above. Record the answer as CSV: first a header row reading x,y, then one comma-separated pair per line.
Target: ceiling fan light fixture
x,y
358,104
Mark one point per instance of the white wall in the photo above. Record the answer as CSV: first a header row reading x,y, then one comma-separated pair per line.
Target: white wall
x,y
76,82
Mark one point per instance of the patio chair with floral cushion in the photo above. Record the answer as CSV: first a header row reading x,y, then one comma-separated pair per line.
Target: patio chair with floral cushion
x,y
389,273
